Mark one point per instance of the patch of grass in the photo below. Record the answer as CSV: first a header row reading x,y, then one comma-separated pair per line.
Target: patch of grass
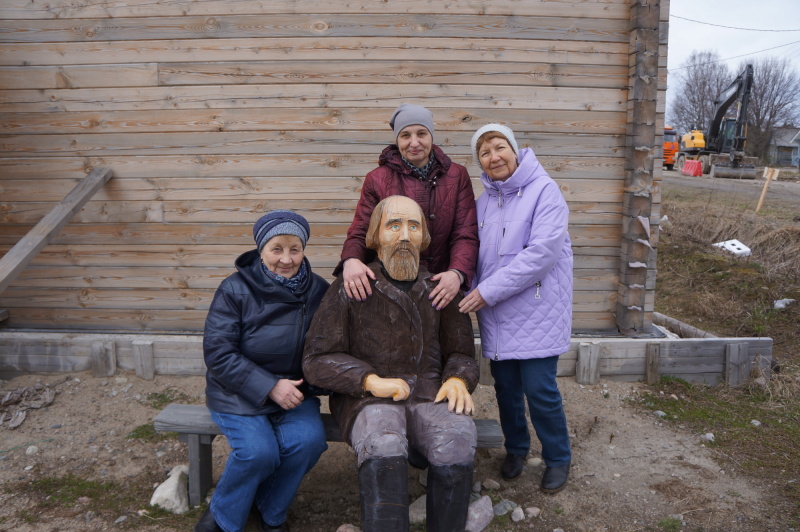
x,y
670,524
147,433
159,400
71,495
559,510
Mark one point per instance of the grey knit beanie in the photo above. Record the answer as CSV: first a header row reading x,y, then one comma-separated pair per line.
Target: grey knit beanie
x,y
280,222
503,130
408,114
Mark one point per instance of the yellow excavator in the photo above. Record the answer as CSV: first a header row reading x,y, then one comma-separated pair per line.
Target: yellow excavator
x,y
721,147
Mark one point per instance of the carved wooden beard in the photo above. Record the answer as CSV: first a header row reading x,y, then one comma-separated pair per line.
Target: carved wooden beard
x,y
401,261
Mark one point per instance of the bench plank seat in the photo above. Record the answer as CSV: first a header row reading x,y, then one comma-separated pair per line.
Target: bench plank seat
x,y
194,426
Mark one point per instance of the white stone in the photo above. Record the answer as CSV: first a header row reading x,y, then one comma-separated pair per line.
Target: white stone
x,y
31,450
533,511
535,462
480,515
173,493
755,423
517,515
708,436
417,510
490,484
659,414
347,527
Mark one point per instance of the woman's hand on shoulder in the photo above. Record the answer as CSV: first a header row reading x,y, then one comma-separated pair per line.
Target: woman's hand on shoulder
x,y
446,290
286,394
472,302
356,276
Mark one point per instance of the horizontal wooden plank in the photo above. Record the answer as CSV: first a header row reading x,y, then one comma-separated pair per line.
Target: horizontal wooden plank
x,y
17,216
312,48
207,278
157,299
478,96
278,25
282,142
326,72
382,71
67,9
182,321
303,119
201,256
74,77
280,167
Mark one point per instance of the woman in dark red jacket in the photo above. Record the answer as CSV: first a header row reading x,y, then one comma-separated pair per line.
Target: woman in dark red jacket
x,y
417,168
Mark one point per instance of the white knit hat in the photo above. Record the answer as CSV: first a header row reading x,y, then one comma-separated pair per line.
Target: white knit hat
x,y
503,130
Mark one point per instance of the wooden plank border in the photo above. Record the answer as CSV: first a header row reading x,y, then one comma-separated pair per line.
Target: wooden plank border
x,y
700,360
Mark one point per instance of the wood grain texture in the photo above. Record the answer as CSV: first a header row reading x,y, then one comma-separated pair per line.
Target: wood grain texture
x,y
280,25
64,9
211,113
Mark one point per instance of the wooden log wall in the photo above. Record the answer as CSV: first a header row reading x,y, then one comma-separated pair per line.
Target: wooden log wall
x,y
212,112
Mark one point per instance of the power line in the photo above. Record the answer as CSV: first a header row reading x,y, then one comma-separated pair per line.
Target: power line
x,y
728,27
736,56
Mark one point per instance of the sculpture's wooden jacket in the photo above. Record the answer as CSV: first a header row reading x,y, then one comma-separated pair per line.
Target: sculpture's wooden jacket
x,y
393,334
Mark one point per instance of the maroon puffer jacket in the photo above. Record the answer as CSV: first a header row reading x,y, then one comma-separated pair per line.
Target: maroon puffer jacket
x,y
446,198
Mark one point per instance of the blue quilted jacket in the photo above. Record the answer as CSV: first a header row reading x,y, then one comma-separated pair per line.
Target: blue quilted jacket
x,y
254,336
524,265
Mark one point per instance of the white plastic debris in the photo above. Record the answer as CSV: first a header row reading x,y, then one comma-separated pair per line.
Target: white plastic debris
x,y
755,423
782,303
735,247
708,436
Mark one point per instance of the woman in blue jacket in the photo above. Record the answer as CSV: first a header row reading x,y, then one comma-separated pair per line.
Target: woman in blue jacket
x,y
253,348
523,296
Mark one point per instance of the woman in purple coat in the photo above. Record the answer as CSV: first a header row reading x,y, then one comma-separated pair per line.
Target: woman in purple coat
x,y
523,296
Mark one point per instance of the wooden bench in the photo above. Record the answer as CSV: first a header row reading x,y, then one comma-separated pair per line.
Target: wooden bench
x,y
194,426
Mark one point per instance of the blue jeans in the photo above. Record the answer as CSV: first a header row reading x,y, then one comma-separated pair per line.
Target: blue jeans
x,y
534,379
270,455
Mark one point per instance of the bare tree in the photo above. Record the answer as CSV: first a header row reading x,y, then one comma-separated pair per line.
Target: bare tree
x,y
698,82
774,102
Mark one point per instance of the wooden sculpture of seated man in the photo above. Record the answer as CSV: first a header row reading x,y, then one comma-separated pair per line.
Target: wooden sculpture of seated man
x,y
401,373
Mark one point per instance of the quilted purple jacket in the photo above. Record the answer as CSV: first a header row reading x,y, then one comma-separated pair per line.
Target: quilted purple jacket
x,y
524,265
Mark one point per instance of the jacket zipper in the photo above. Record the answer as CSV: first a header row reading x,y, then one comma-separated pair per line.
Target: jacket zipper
x,y
538,286
500,206
299,334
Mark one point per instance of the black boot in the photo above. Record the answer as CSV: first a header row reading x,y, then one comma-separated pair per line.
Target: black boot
x,y
207,523
384,494
449,488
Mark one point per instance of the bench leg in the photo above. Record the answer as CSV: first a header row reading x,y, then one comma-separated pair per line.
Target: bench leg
x,y
200,467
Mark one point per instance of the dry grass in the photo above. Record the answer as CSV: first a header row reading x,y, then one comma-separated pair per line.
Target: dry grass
x,y
733,296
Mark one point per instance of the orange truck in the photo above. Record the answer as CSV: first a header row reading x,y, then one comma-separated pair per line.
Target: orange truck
x,y
670,146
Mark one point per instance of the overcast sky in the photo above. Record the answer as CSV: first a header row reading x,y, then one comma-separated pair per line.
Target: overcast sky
x,y
733,45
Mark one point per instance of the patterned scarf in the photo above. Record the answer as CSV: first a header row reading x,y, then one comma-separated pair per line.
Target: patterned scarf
x,y
290,284
422,173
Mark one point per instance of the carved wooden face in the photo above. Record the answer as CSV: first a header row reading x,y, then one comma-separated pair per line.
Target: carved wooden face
x,y
400,237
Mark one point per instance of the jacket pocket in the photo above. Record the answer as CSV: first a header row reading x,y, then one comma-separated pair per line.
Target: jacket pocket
x,y
514,238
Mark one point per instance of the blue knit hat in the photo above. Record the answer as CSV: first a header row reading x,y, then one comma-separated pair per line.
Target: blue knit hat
x,y
280,222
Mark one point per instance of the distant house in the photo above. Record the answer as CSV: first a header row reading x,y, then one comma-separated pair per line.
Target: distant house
x,y
783,148
796,152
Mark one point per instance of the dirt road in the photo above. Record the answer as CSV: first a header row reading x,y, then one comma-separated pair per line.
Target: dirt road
x,y
781,194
